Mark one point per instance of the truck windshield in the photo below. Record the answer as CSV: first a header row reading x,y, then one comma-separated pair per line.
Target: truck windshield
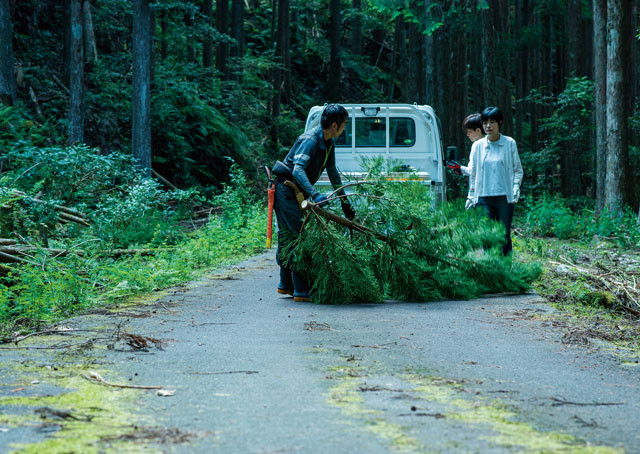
x,y
372,132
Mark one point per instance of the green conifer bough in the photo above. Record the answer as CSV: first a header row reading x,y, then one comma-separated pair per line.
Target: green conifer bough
x,y
411,250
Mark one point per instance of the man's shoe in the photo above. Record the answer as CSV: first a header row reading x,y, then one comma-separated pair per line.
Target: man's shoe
x,y
284,291
302,298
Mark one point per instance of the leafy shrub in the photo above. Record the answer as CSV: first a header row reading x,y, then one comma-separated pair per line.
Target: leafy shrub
x,y
124,217
236,200
76,175
621,224
125,207
191,137
550,216
16,125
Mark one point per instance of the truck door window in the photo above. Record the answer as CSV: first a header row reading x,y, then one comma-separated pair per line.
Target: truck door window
x,y
371,132
403,132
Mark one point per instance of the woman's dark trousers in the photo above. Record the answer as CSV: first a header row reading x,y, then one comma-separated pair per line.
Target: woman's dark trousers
x,y
498,209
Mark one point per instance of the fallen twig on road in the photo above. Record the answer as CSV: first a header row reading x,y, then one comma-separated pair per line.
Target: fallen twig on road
x,y
51,331
140,342
212,323
46,412
557,402
85,344
383,346
315,326
248,372
96,377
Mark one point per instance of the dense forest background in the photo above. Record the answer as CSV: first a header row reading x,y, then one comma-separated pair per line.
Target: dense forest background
x,y
189,87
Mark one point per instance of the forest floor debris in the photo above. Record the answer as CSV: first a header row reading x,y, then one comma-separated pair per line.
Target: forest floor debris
x,y
159,435
596,288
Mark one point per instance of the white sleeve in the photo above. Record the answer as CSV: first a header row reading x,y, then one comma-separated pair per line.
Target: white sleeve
x,y
517,166
471,170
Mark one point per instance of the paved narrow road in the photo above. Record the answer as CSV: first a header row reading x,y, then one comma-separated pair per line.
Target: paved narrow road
x,y
255,372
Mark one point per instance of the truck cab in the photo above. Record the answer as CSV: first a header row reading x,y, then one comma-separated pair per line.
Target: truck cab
x,y
403,133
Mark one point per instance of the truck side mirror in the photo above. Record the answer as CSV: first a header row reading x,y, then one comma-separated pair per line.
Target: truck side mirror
x,y
452,153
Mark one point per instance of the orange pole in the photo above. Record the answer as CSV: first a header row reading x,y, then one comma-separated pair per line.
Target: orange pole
x,y
271,195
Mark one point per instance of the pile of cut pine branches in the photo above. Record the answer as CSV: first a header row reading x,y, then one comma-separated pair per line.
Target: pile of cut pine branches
x,y
403,247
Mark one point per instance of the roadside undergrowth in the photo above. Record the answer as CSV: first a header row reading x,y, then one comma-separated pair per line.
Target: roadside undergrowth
x,y
573,281
47,289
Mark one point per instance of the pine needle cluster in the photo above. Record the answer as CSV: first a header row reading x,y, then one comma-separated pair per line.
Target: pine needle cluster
x,y
415,250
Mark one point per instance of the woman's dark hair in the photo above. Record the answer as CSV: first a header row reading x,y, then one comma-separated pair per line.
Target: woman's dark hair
x,y
333,113
492,113
473,122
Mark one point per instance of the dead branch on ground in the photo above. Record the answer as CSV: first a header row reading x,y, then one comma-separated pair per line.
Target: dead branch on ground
x,y
620,284
96,377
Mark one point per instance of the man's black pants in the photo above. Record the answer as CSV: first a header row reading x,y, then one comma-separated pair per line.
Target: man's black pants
x,y
289,219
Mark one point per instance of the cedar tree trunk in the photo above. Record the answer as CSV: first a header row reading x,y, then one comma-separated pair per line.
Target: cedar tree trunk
x,y
141,134
76,75
334,60
618,45
7,78
207,46
600,79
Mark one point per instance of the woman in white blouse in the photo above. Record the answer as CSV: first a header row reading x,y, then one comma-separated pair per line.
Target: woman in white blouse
x,y
495,173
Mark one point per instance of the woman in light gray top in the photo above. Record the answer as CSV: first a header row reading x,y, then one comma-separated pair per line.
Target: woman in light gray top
x,y
495,173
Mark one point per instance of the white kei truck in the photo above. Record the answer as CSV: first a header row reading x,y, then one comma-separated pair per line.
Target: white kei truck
x,y
408,134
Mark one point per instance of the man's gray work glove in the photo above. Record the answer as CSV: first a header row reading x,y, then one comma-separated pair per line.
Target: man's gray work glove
x,y
320,199
348,210
468,204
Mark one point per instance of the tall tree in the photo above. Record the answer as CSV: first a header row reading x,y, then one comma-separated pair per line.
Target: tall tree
x,y
335,27
285,40
189,22
618,47
276,72
572,167
600,117
574,35
502,20
207,46
7,78
237,33
283,84
76,74
398,38
152,27
222,24
90,48
427,44
356,28
164,30
414,57
141,93
521,70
